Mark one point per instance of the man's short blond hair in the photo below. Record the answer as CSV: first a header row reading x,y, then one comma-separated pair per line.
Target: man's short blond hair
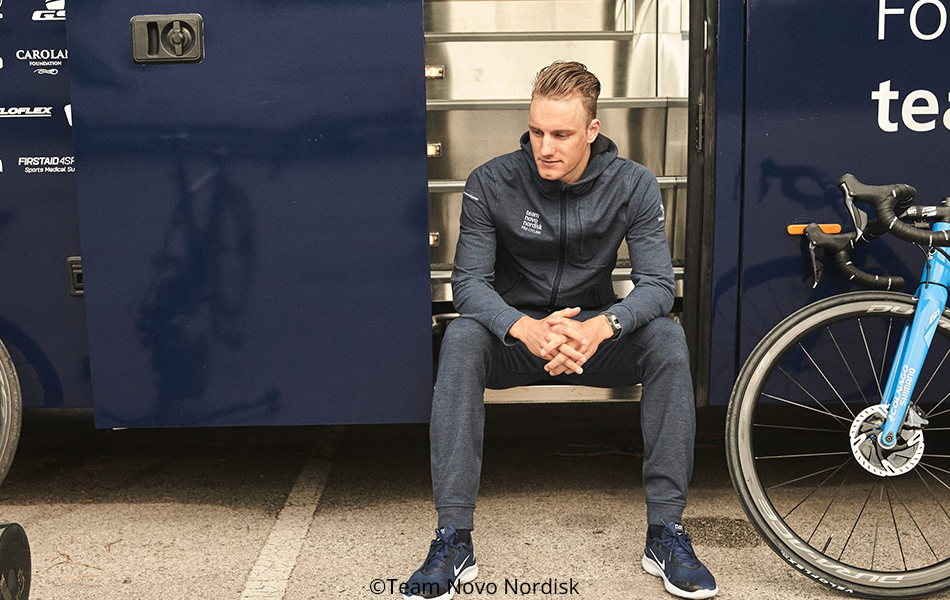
x,y
562,79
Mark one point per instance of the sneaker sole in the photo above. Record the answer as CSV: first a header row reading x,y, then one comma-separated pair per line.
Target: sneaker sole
x,y
650,566
465,576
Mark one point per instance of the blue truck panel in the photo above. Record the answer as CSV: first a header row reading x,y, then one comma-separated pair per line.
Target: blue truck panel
x,y
254,226
828,88
41,323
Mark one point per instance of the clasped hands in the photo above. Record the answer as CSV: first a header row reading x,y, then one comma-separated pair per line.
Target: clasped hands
x,y
567,343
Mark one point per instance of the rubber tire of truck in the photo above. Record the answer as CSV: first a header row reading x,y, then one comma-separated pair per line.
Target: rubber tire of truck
x,y
11,411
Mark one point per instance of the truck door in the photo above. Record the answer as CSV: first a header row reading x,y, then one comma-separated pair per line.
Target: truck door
x,y
251,180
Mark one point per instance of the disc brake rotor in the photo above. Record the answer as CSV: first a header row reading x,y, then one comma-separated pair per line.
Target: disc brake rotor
x,y
884,462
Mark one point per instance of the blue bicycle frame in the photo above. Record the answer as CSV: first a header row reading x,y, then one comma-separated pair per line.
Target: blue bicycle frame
x,y
915,342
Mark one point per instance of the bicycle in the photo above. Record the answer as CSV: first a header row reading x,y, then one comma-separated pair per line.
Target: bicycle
x,y
850,495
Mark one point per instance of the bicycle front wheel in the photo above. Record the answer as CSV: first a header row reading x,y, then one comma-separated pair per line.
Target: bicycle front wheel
x,y
828,501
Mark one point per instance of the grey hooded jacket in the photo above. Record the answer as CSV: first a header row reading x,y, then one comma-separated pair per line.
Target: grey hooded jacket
x,y
530,243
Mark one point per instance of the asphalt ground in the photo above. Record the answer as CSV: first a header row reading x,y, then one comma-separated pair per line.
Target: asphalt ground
x,y
330,512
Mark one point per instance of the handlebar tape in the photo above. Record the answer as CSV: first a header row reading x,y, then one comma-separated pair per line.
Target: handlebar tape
x,y
840,245
889,201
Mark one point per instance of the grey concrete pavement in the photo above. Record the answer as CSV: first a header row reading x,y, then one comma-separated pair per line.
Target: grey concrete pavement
x,y
193,514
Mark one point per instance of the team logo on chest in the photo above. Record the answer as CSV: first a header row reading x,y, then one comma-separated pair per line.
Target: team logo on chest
x,y
532,223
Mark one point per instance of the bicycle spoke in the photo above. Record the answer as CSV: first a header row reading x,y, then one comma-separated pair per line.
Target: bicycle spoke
x,y
809,428
815,489
936,406
848,366
932,494
877,526
807,393
826,379
896,531
913,520
935,467
853,527
880,393
921,394
830,502
784,483
935,455
823,412
804,455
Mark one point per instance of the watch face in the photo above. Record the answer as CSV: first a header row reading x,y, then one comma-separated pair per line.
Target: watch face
x,y
614,323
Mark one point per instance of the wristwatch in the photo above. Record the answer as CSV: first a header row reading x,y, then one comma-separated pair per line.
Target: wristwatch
x,y
614,323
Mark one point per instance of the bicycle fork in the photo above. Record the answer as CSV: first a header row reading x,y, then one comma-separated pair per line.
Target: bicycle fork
x,y
915,343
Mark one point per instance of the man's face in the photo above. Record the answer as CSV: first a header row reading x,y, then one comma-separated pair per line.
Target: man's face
x,y
561,137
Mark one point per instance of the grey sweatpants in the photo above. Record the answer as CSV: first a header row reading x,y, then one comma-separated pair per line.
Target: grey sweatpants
x,y
472,358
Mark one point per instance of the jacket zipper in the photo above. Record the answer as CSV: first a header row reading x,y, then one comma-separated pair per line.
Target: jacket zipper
x,y
562,246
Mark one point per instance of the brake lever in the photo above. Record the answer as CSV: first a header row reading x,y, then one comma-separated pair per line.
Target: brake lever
x,y
816,267
858,216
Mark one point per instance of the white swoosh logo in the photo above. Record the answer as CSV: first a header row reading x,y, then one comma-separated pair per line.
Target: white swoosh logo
x,y
459,568
662,563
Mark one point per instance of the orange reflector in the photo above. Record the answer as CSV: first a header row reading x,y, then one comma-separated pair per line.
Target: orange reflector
x,y
826,227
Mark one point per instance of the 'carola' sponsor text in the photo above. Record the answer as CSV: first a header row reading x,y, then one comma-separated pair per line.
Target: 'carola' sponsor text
x,y
42,60
47,54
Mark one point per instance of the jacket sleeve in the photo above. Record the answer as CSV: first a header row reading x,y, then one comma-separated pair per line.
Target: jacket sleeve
x,y
651,268
474,271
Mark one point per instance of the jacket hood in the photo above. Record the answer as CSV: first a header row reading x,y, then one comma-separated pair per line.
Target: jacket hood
x,y
602,152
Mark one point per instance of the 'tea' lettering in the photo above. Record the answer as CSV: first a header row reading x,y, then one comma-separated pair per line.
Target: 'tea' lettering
x,y
918,110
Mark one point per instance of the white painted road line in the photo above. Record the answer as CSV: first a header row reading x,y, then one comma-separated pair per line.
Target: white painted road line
x,y
275,563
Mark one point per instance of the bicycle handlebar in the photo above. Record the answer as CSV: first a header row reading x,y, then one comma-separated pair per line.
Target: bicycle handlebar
x,y
840,245
889,201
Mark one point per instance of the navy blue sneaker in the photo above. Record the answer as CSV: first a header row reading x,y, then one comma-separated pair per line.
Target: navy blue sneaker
x,y
450,563
671,557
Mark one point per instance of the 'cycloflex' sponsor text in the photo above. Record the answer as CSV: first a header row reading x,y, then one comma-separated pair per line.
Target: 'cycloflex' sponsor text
x,y
26,111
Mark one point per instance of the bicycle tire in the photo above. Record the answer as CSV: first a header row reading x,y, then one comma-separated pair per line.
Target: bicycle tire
x,y
786,386
11,411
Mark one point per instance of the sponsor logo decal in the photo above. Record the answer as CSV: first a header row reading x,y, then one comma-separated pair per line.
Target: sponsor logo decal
x,y
47,164
43,60
532,223
45,54
25,111
55,11
903,386
458,569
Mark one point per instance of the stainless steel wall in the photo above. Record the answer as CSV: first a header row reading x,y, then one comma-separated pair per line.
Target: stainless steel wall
x,y
489,52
